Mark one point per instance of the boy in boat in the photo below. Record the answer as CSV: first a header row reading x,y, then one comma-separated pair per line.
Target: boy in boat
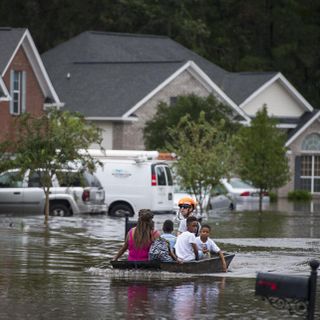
x,y
186,208
167,229
186,248
162,249
207,246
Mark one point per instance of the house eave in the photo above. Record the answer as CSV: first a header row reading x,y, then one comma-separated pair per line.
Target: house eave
x,y
286,125
303,128
113,119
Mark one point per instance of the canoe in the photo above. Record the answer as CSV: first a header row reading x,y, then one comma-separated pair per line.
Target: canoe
x,y
212,265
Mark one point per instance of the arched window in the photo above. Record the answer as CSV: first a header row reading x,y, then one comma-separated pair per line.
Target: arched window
x,y
311,142
310,163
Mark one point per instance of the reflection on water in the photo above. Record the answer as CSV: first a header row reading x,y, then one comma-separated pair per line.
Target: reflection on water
x,y
185,300
62,272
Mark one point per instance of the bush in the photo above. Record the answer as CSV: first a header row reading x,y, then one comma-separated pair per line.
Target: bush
x,y
273,197
299,195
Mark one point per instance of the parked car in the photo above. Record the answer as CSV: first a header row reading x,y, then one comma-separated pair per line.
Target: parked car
x,y
216,200
242,191
221,199
72,192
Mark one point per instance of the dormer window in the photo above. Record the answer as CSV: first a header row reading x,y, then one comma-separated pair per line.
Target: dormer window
x,y
18,92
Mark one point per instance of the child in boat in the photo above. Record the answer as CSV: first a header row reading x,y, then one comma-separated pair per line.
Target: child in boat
x,y
162,249
167,229
207,246
186,208
139,238
186,248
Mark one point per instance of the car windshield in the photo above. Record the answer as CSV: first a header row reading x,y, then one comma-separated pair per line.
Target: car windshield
x,y
239,184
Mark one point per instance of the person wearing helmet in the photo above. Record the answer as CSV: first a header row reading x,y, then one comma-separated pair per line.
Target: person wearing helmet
x,y
187,206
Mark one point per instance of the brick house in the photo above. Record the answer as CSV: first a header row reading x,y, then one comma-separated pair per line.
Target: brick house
x,y
117,80
24,82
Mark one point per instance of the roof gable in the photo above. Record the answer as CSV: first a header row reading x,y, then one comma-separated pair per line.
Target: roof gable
x,y
305,121
200,76
11,40
4,94
294,94
240,86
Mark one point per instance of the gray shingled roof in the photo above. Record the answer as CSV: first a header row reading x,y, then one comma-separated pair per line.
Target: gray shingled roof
x,y
9,39
111,72
307,116
239,86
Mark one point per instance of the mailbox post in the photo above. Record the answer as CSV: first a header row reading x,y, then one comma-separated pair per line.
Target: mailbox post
x,y
297,294
314,264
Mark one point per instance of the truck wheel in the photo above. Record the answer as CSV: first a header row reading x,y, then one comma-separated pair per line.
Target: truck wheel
x,y
59,209
121,210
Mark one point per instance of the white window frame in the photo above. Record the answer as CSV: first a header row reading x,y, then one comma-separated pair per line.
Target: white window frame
x,y
18,93
312,154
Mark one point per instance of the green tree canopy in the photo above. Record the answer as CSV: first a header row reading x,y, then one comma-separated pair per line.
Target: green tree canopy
x,y
156,131
261,153
51,142
204,151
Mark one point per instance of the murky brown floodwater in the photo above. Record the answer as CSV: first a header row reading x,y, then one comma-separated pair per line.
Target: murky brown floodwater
x,y
62,272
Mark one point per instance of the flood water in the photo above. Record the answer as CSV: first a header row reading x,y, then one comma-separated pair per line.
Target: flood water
x,y
63,272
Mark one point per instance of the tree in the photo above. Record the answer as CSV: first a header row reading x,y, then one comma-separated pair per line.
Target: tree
x,y
204,151
156,131
49,143
262,154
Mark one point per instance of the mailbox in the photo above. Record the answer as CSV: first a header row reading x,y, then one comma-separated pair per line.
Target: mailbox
x,y
282,286
297,294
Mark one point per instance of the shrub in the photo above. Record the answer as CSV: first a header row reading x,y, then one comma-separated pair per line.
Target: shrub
x,y
273,197
299,195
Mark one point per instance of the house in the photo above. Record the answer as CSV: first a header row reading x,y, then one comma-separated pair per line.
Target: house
x,y
117,81
24,82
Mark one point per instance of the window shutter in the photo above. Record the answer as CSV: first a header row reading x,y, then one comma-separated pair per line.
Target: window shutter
x,y
297,173
11,90
23,93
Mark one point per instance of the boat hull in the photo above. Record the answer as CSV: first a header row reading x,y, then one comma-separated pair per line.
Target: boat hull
x,y
212,265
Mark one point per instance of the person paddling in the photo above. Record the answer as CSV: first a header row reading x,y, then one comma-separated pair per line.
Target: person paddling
x,y
139,238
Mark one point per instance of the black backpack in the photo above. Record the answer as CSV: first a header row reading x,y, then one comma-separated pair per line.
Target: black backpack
x,y
159,251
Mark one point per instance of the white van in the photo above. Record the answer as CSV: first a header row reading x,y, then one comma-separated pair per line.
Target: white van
x,y
135,180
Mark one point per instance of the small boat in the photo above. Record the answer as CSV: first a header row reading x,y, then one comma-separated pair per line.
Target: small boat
x,y
211,265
